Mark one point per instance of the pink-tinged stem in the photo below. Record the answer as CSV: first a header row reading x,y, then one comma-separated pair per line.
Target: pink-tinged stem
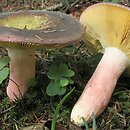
x,y
100,87
22,70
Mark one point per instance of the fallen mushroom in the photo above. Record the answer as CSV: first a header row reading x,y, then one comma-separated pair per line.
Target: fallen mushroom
x,y
109,24
24,31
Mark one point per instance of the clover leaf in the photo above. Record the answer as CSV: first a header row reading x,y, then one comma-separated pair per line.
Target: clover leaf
x,y
60,76
4,74
52,89
53,72
4,61
4,70
58,71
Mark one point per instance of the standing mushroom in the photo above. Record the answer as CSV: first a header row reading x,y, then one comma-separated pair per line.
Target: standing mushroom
x,y
109,25
23,32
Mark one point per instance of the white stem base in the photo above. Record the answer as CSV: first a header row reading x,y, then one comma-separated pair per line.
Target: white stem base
x,y
22,69
100,87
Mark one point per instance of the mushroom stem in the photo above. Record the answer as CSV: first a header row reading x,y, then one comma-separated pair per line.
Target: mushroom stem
x,y
100,87
22,70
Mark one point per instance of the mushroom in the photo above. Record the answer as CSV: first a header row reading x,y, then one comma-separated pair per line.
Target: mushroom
x,y
107,27
24,31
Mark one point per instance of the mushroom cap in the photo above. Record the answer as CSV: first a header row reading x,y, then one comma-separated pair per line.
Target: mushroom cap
x,y
107,25
38,28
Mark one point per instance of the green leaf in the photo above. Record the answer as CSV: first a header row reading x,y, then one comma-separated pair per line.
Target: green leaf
x,y
51,89
57,82
69,73
54,89
53,72
61,82
4,74
60,77
63,68
64,71
64,82
61,91
59,71
4,61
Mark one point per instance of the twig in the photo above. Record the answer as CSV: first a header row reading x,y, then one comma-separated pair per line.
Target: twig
x,y
7,110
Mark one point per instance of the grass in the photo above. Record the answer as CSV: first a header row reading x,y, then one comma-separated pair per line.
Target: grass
x,y
37,107
54,119
93,121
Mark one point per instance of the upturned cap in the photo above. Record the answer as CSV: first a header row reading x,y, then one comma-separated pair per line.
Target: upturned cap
x,y
107,25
